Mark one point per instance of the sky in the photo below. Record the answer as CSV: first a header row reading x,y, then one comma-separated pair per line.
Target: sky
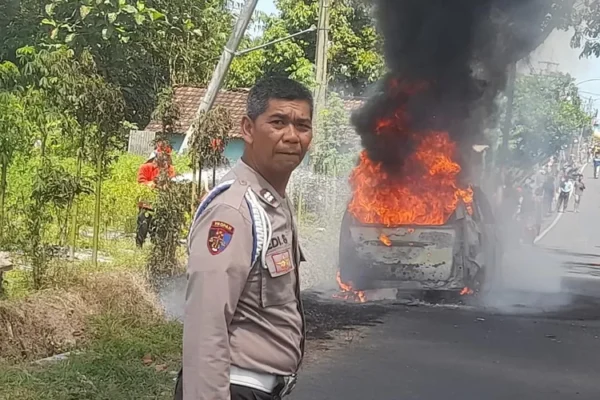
x,y
555,50
267,6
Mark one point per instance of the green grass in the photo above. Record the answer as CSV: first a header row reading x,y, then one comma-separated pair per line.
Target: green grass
x,y
114,366
122,252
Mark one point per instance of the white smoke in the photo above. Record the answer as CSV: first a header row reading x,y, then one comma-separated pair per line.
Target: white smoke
x,y
528,280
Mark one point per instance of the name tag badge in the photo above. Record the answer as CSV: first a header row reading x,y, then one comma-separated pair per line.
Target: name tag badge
x,y
280,262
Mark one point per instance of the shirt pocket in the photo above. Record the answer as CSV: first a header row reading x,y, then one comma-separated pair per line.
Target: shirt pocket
x,y
278,277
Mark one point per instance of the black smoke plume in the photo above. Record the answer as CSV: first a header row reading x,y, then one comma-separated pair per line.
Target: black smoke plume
x,y
462,50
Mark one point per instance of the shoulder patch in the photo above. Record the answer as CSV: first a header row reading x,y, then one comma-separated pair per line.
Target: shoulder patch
x,y
219,237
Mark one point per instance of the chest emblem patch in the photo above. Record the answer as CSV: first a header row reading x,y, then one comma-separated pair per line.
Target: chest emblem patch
x,y
282,262
219,237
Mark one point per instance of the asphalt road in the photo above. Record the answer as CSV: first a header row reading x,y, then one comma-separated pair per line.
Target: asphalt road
x,y
536,337
426,354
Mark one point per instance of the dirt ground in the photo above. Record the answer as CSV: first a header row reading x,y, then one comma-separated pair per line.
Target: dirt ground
x,y
333,324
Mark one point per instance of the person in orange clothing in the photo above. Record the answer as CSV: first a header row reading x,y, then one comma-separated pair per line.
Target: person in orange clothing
x,y
148,174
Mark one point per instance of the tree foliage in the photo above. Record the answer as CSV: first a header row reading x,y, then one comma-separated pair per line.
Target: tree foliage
x,y
210,136
549,114
355,57
172,199
15,137
74,76
335,146
585,19
170,207
137,46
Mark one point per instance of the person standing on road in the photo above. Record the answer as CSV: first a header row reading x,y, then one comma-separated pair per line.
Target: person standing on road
x,y
549,191
596,165
578,188
244,328
566,187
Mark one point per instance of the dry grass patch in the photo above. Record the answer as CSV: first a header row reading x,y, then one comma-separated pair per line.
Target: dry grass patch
x,y
55,320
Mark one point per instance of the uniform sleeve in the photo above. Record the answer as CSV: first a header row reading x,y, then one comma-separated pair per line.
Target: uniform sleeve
x,y
219,265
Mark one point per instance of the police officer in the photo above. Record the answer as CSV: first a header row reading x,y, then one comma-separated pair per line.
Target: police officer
x,y
244,323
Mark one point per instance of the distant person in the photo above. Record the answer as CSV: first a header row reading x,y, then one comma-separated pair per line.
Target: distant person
x,y
526,202
528,221
554,166
596,164
566,187
578,188
539,208
148,175
549,190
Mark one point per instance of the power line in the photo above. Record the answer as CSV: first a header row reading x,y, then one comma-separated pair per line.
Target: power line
x,y
590,93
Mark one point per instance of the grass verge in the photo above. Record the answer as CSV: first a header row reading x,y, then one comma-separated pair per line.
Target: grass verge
x,y
124,360
55,320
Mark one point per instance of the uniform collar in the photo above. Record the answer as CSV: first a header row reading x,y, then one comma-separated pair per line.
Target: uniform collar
x,y
258,184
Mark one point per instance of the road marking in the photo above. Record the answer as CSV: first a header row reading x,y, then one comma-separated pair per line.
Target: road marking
x,y
558,217
548,229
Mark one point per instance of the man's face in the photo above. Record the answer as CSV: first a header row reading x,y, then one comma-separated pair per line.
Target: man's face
x,y
279,138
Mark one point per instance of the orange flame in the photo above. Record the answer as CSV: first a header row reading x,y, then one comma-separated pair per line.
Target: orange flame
x,y
426,190
415,198
466,291
348,293
385,240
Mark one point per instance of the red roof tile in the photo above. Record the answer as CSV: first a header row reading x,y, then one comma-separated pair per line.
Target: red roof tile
x,y
188,99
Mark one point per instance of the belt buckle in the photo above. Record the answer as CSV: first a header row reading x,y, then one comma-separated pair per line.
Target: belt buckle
x,y
289,383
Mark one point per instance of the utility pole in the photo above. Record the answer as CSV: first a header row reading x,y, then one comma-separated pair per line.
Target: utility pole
x,y
510,97
321,55
223,66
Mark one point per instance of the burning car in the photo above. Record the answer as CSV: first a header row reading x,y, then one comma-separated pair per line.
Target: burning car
x,y
413,222
416,218
453,256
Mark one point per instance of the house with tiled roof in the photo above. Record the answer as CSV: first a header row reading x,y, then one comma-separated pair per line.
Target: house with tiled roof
x,y
188,100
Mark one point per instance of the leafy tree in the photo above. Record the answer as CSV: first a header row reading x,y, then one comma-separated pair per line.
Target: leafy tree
x,y
335,147
137,46
19,26
355,57
47,124
108,133
191,39
583,17
15,137
585,20
13,125
114,33
170,208
548,114
172,199
209,139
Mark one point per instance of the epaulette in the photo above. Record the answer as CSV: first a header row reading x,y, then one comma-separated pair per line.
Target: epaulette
x,y
262,230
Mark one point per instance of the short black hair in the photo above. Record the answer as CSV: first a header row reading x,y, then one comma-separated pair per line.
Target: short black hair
x,y
275,88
